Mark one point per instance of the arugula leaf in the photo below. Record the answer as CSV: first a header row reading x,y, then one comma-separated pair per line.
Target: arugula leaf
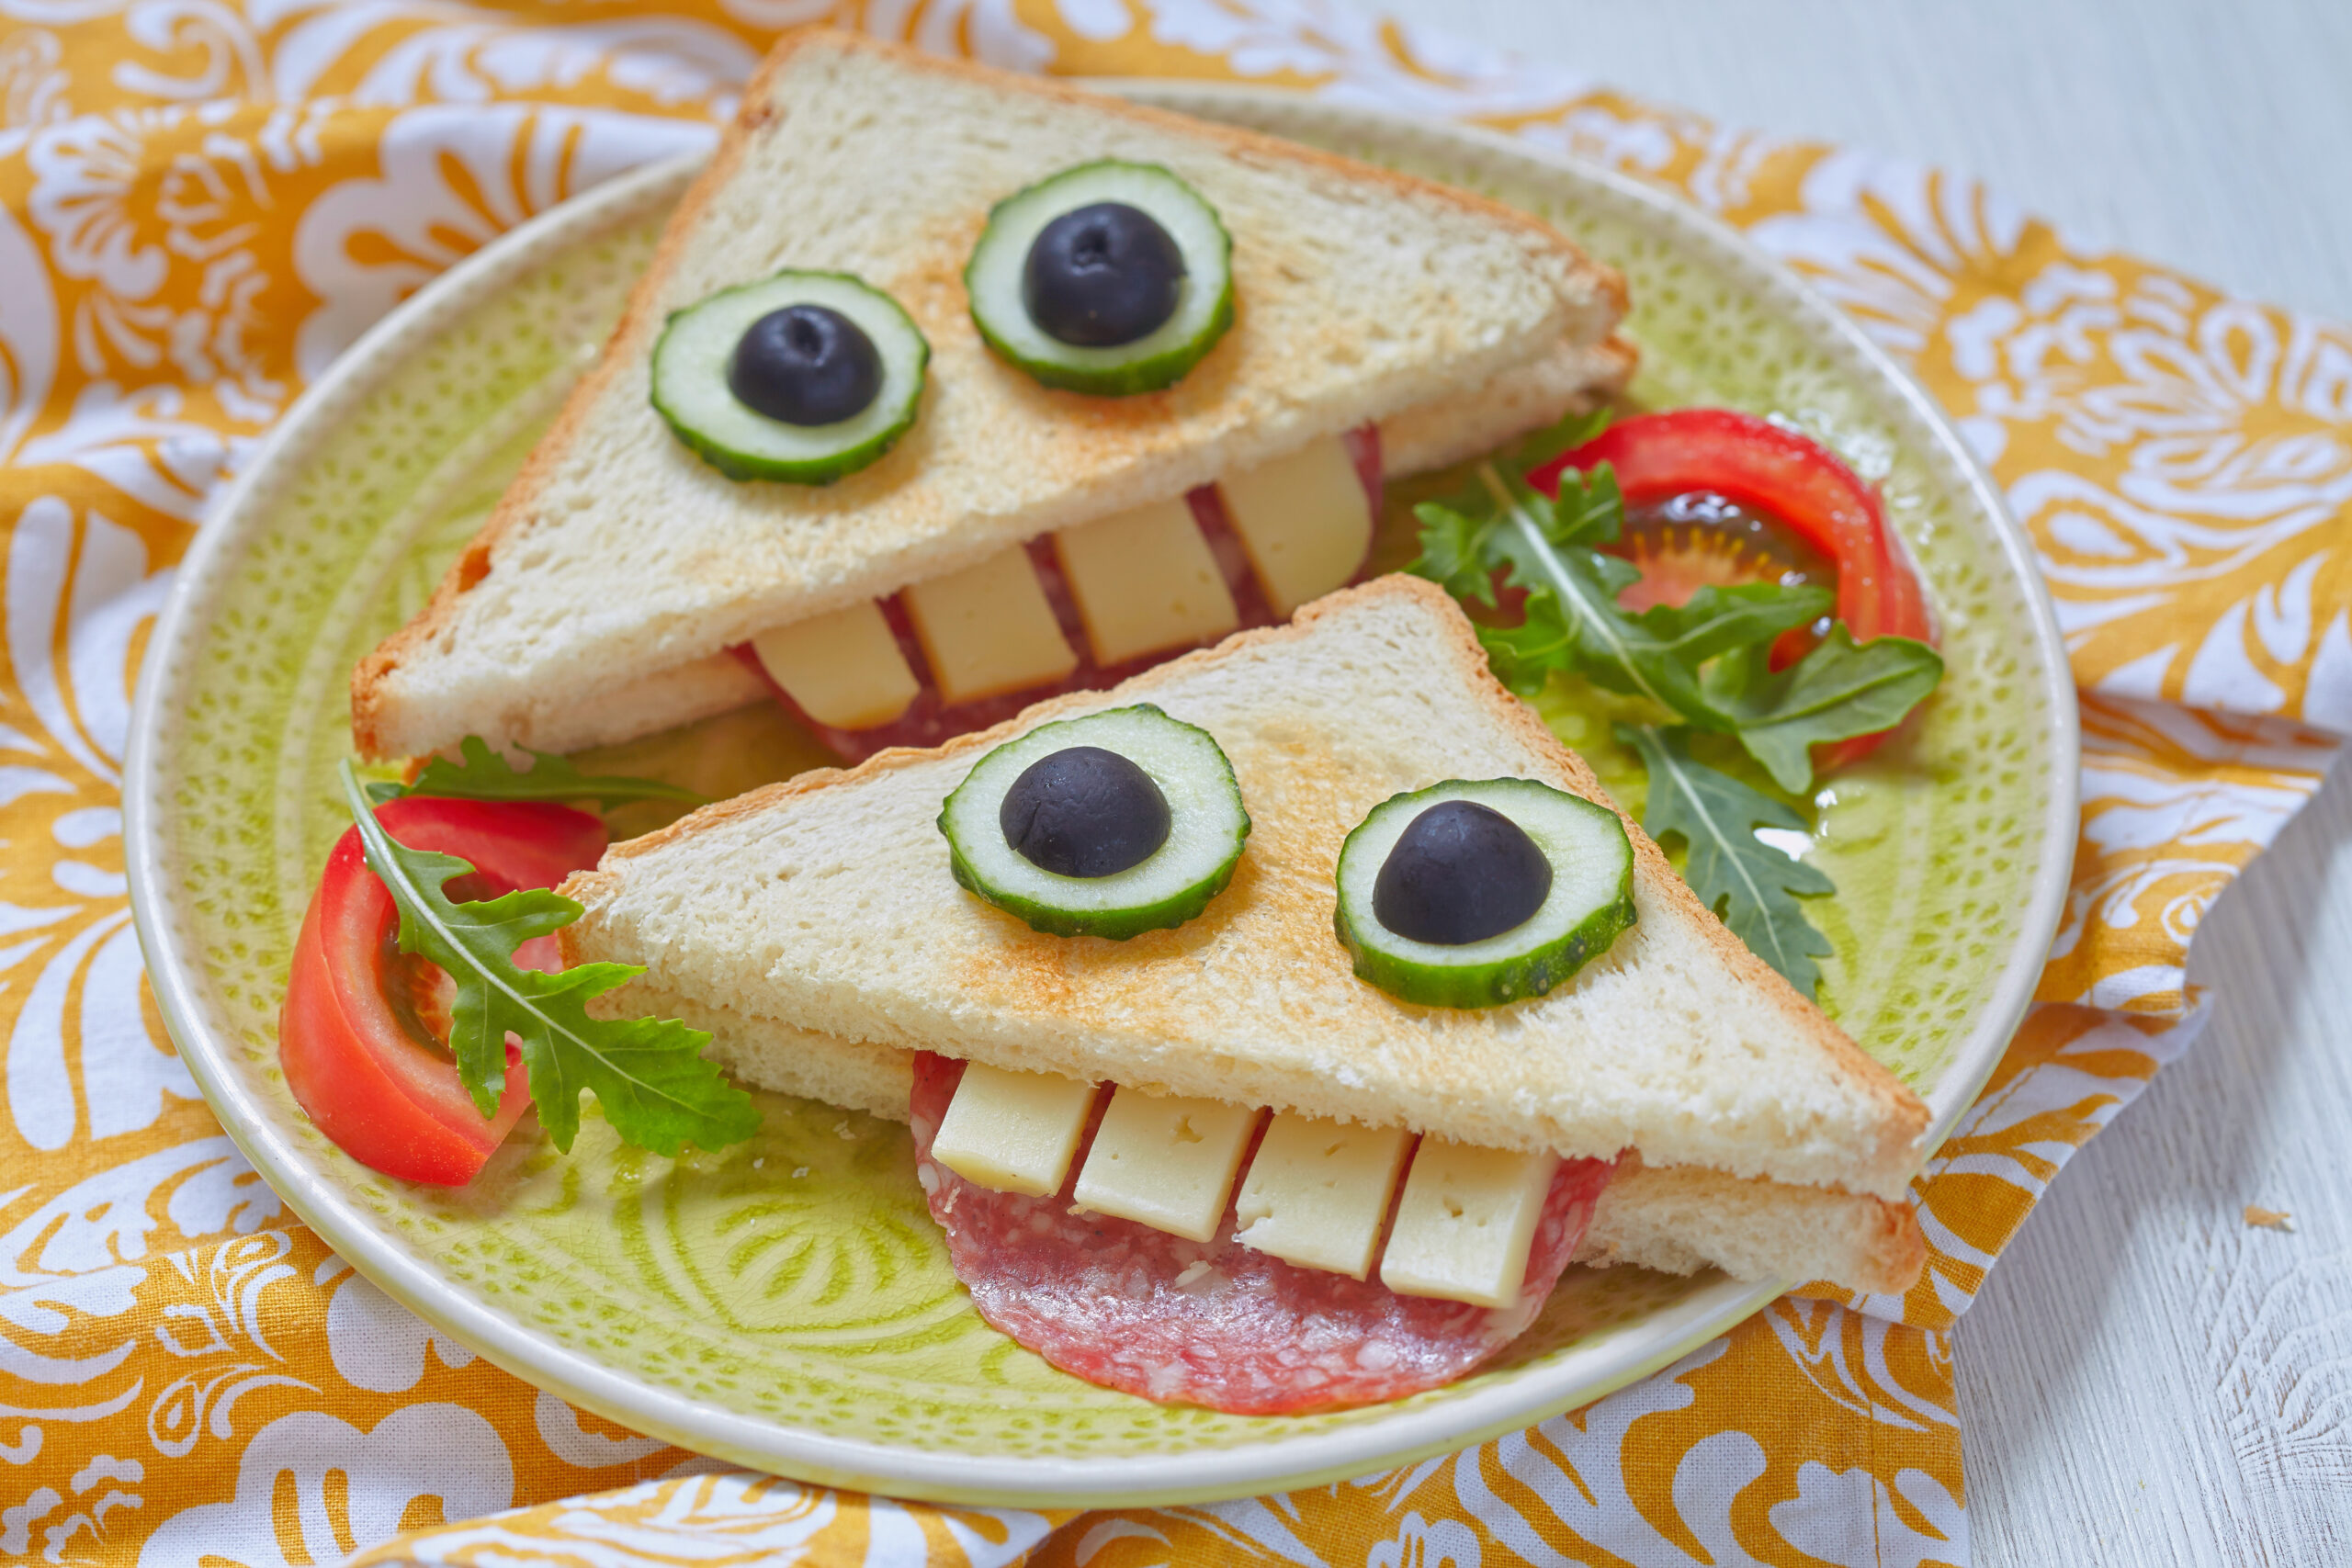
x,y
1470,503
1589,510
483,774
1839,689
1571,618
656,1089
1571,615
1551,632
1460,531
1453,552
1751,886
1704,661
1724,619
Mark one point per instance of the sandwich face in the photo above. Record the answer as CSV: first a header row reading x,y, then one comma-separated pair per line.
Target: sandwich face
x,y
817,929
606,594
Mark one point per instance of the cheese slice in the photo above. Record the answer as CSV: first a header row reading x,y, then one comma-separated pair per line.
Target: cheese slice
x,y
1165,1162
1145,581
1317,1191
1304,521
844,669
1012,1132
988,628
1466,1221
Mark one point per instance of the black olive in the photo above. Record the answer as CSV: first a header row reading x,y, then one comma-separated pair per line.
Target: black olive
x,y
1101,276
1084,811
1460,873
805,364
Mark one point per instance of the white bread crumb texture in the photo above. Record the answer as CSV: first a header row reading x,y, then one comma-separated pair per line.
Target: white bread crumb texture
x,y
620,552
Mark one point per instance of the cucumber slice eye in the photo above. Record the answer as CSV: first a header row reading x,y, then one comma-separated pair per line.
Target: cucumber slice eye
x,y
1038,804
1110,278
805,377
1440,904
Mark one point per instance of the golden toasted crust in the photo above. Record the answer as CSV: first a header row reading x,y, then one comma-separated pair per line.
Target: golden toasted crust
x,y
1048,962
1679,1219
1898,1247
1130,423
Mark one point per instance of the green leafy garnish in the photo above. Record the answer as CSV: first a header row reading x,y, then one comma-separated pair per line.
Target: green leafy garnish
x,y
1703,664
650,1077
1572,619
1751,886
1837,690
483,774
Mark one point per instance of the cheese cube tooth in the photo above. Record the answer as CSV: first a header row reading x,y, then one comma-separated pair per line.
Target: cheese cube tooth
x,y
988,628
1012,1132
1145,581
1305,520
1466,1223
844,669
1317,1191
1165,1162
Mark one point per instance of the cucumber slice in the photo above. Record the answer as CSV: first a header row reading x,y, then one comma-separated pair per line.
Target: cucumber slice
x,y
1589,905
1206,826
994,280
691,361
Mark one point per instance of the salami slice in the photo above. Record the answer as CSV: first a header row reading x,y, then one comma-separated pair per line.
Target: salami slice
x,y
1213,1322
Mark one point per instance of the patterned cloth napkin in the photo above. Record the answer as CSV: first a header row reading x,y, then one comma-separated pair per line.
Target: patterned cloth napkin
x,y
204,204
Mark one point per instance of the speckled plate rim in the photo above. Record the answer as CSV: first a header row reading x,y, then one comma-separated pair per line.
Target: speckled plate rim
x,y
1607,1362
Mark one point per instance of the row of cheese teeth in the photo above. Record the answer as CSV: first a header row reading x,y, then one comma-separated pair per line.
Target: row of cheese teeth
x,y
1317,1194
1144,581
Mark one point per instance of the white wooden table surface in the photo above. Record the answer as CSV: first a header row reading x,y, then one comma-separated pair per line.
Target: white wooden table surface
x,y
2144,1382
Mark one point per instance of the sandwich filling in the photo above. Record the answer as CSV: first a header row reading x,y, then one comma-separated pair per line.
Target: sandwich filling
x,y
1078,610
1214,1322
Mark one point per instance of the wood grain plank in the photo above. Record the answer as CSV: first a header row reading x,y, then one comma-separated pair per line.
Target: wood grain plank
x,y
2190,1377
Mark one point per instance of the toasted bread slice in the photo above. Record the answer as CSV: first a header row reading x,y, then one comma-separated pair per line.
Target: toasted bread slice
x,y
619,558
826,903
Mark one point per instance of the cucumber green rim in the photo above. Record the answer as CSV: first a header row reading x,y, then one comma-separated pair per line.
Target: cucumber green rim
x,y
1164,913
1515,977
821,470
1108,373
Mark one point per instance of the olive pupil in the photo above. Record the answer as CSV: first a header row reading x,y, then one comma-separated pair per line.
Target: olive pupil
x,y
805,364
1102,275
1084,811
1460,873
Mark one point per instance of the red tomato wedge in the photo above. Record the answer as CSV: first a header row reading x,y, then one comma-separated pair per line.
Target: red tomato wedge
x,y
1782,475
358,1037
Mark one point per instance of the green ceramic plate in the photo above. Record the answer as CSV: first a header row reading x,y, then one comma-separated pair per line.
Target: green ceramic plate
x,y
788,1304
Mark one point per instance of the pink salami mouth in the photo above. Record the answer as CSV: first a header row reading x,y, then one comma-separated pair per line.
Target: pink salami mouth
x,y
1215,1323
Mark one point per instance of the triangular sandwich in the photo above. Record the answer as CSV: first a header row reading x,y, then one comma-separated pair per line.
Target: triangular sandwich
x,y
629,581
818,929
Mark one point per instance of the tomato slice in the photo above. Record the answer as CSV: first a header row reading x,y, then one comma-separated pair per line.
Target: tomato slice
x,y
358,1037
1782,475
